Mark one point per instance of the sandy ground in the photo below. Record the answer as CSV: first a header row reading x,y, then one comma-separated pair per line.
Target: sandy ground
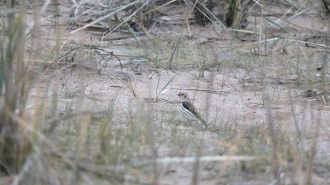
x,y
238,87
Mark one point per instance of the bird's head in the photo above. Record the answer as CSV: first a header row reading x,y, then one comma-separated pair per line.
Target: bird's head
x,y
183,95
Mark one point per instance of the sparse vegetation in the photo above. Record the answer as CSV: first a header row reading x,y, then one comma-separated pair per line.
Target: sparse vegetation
x,y
88,92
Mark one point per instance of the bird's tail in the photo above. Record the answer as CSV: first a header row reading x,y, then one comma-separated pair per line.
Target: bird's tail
x,y
203,123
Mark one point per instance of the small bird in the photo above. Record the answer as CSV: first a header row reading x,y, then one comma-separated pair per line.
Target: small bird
x,y
189,109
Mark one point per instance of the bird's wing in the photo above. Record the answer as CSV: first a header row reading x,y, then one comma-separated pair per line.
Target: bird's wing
x,y
191,108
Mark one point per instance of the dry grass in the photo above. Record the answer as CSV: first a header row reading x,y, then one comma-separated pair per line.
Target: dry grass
x,y
75,109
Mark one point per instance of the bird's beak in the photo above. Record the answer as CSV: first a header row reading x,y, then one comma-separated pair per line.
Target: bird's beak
x,y
178,94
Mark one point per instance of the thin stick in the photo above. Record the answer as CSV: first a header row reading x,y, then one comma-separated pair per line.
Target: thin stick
x,y
199,89
227,84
